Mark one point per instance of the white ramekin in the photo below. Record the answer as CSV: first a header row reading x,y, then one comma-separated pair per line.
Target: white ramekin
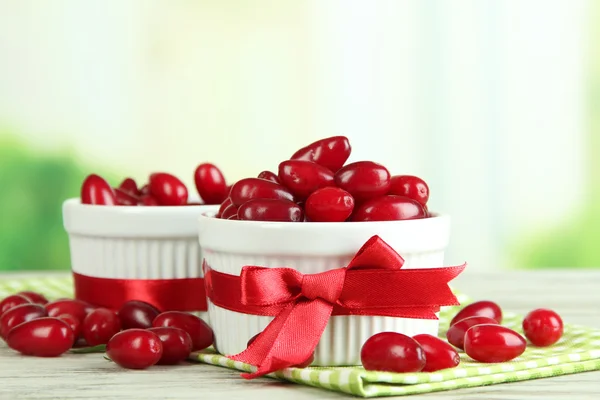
x,y
228,246
131,242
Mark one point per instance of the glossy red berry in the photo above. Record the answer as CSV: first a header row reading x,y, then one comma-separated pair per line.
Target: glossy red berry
x,y
230,211
176,343
41,337
137,314
388,208
438,354
76,308
364,180
201,334
330,152
125,198
303,177
148,200
20,314
255,188
168,190
410,186
543,327
12,301
330,204
484,308
73,323
99,326
270,210
95,190
145,190
392,352
456,333
129,186
226,203
269,176
34,297
135,348
493,343
210,183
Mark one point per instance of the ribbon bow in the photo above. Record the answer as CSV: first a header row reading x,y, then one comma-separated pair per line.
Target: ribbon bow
x,y
373,283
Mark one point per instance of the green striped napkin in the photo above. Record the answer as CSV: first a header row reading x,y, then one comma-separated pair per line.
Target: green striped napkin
x,y
577,351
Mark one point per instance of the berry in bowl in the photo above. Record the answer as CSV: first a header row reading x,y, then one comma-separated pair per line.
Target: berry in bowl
x,y
279,242
135,242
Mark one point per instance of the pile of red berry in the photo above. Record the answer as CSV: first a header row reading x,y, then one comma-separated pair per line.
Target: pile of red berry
x,y
475,329
315,185
137,336
162,189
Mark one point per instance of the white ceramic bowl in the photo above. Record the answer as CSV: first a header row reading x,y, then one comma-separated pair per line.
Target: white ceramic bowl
x,y
310,248
131,242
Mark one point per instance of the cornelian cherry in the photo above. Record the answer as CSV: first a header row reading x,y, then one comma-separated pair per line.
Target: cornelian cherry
x,y
148,200
330,204
201,334
34,297
410,186
484,308
303,177
493,343
456,333
269,176
392,352
255,188
331,152
226,203
176,344
137,314
76,308
167,189
388,208
41,337
543,327
230,211
18,315
73,323
99,326
129,186
135,348
364,180
12,301
210,183
270,210
125,198
438,354
95,190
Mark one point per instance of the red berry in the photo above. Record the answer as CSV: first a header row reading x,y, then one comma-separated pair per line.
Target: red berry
x,y
34,297
210,183
137,314
99,326
176,343
135,349
484,308
129,186
456,333
493,343
125,199
329,204
234,217
255,188
410,186
304,177
41,337
388,208
144,190
223,206
392,352
270,210
438,354
269,176
364,180
73,323
148,200
20,314
230,211
543,327
330,152
167,189
12,301
201,334
95,190
76,308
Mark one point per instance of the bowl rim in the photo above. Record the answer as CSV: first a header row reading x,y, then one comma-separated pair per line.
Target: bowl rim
x,y
132,210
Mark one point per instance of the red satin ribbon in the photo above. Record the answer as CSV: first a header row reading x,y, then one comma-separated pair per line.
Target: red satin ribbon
x,y
372,284
186,294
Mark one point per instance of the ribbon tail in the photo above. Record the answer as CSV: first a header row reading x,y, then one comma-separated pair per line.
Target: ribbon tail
x,y
288,340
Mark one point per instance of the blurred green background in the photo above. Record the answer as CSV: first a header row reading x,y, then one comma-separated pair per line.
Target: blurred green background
x,y
495,104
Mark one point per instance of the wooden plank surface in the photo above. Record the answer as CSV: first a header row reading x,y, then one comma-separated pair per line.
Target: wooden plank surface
x,y
574,294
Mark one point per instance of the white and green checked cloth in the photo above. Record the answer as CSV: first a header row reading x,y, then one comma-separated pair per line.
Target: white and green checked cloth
x,y
577,351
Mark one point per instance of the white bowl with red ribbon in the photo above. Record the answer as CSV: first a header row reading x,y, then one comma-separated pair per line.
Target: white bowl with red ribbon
x,y
321,289
122,253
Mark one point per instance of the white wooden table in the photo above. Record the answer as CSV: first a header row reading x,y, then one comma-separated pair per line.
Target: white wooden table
x,y
574,294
